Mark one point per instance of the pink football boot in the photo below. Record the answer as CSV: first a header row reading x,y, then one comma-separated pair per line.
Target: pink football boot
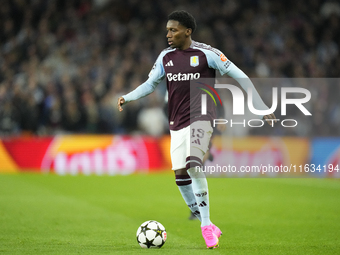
x,y
209,237
216,230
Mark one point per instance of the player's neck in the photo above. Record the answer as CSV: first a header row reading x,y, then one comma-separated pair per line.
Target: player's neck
x,y
186,45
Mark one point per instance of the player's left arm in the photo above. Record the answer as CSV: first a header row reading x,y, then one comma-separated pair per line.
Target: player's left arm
x,y
247,85
218,61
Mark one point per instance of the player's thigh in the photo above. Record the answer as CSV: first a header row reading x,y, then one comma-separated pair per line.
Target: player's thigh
x,y
192,140
200,135
178,147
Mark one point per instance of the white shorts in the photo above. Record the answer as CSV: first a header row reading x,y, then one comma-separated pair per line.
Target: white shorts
x,y
192,140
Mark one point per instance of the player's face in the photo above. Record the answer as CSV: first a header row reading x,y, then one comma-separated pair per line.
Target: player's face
x,y
178,35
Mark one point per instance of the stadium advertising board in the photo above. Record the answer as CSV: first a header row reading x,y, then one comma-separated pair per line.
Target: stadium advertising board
x,y
83,154
7,164
325,156
256,156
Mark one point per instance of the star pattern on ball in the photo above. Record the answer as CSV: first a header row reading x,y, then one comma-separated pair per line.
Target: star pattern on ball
x,y
158,231
149,243
144,229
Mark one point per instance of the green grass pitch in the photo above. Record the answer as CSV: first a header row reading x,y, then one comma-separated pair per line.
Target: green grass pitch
x,y
49,214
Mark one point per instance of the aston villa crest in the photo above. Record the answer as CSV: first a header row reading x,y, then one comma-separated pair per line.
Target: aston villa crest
x,y
194,61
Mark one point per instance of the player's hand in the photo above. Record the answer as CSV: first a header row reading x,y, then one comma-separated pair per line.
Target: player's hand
x,y
221,127
120,102
270,118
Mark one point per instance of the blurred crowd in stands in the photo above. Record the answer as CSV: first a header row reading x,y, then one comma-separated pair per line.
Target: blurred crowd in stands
x,y
64,63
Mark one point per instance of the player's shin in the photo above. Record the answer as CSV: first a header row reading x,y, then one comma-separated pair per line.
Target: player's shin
x,y
200,188
184,184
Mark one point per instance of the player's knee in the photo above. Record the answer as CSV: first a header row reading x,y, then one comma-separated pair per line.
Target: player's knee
x,y
182,171
194,166
182,177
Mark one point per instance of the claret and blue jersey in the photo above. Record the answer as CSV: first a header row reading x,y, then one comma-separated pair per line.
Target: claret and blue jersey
x,y
180,67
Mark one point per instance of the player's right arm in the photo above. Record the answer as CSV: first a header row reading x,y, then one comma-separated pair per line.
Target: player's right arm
x,y
156,75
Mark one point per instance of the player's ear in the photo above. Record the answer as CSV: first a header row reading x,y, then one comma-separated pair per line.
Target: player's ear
x,y
188,32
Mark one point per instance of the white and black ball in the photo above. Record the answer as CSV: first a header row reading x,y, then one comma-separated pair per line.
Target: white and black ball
x,y
151,234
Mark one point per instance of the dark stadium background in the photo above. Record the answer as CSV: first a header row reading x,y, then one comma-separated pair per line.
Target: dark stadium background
x,y
63,64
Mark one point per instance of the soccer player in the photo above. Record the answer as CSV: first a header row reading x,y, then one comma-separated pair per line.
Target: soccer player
x,y
184,61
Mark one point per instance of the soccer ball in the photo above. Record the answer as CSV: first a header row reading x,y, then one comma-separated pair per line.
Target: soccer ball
x,y
151,234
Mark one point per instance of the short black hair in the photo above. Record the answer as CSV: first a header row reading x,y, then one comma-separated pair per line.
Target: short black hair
x,y
184,18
